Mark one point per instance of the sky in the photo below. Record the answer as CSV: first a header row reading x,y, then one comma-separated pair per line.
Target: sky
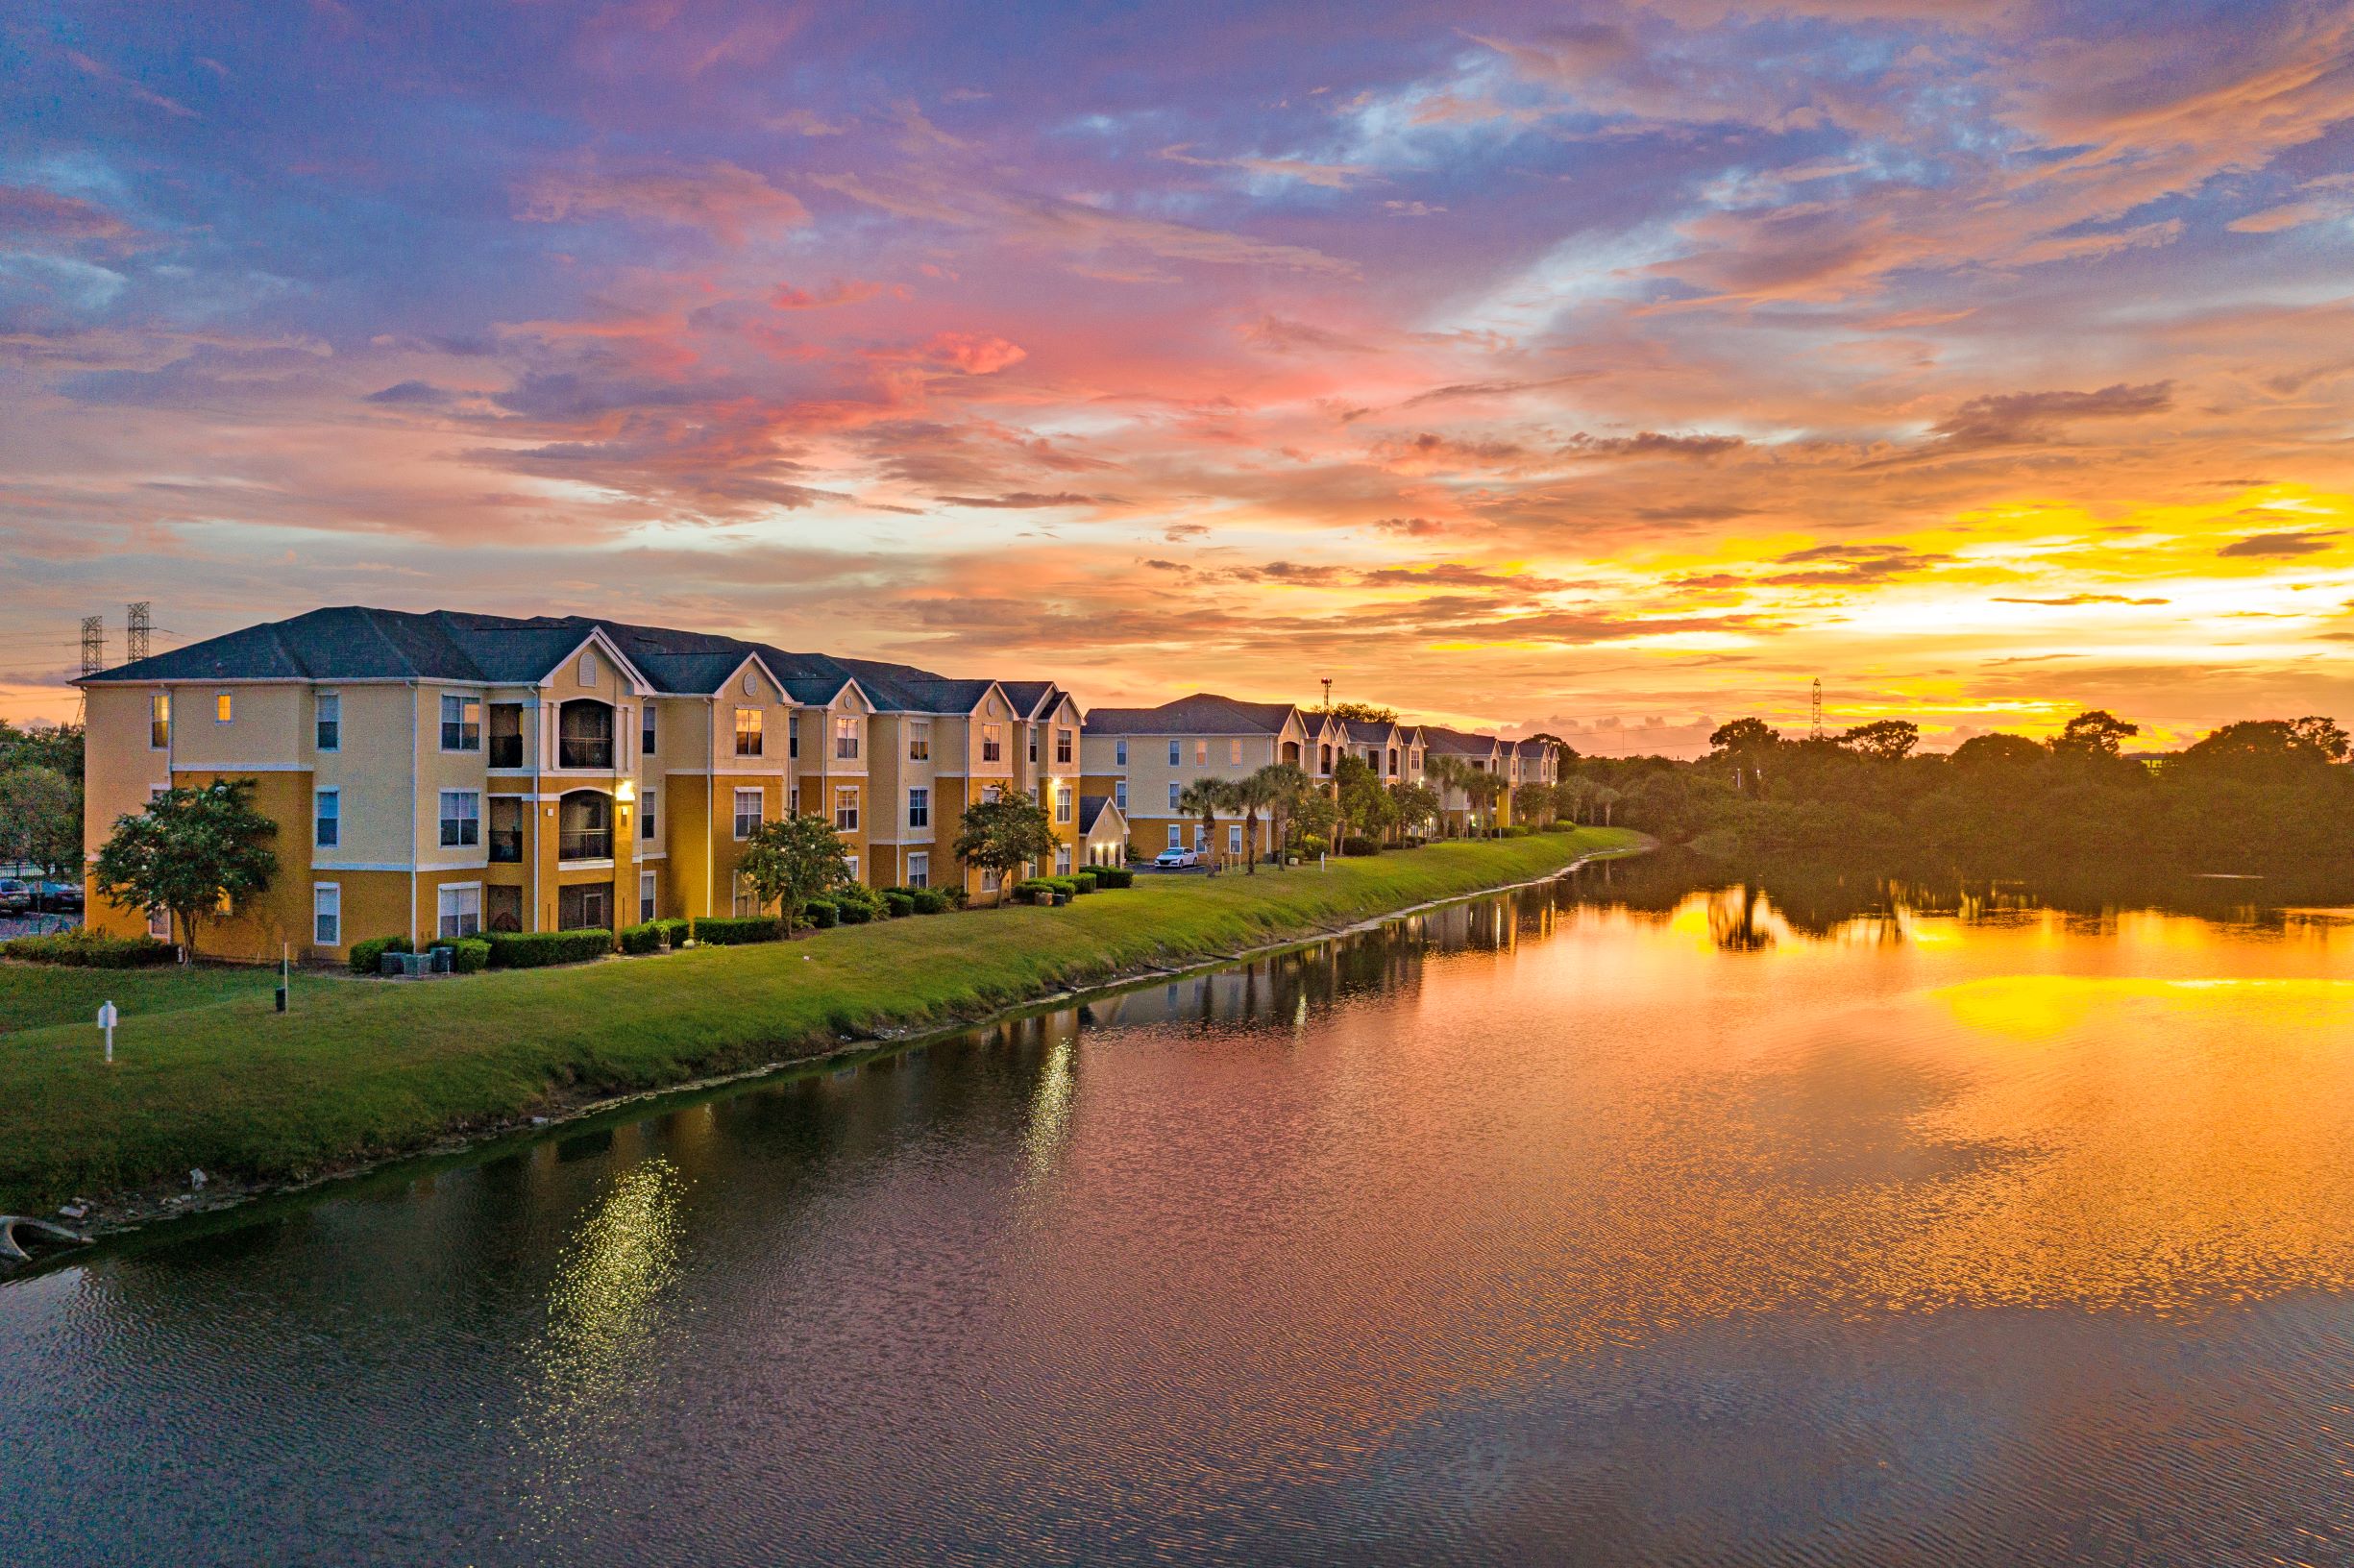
x,y
1609,370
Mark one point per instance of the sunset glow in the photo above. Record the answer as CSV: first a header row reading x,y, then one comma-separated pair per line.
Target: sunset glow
x,y
1610,370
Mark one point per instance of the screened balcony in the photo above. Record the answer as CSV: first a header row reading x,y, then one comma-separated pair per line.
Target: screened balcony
x,y
585,735
584,825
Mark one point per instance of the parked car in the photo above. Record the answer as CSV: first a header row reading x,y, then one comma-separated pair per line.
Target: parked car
x,y
15,897
1171,859
60,894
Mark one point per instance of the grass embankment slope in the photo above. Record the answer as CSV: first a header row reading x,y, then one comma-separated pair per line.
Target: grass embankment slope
x,y
207,1075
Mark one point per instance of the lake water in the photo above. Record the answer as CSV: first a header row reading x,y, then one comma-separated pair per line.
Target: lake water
x,y
1620,1222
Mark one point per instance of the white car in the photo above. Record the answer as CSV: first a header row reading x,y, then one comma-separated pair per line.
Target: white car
x,y
1175,858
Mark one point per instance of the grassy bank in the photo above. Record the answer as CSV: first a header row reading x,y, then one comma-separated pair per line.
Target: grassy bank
x,y
207,1075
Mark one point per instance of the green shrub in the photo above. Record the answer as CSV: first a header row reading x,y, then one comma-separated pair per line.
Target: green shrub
x,y
85,948
736,930
537,949
929,902
1062,884
956,895
1518,830
821,913
1115,876
900,902
854,913
1355,845
857,896
468,955
1084,881
643,938
368,957
1560,827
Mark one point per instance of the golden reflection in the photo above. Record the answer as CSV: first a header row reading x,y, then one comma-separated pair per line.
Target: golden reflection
x,y
602,1311
1050,1125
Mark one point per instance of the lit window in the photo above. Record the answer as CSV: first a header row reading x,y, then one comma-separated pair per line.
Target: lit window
x,y
159,721
461,818
327,732
748,813
1234,751
845,738
748,732
221,709
920,740
845,809
993,743
326,819
1201,753
326,914
460,911
462,723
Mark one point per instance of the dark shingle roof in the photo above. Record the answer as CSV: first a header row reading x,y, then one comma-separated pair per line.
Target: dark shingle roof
x,y
1367,733
1201,714
1028,696
355,643
1439,738
1091,807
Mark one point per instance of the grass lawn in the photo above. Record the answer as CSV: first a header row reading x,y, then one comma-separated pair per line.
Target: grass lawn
x,y
207,1075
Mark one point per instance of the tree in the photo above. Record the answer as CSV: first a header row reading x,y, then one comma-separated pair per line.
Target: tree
x,y
1252,794
1205,798
1358,791
54,747
1314,813
1534,802
192,851
1484,788
41,818
2097,733
1983,753
1417,804
1000,835
1745,737
794,859
1362,713
1447,775
1285,786
2323,735
1883,740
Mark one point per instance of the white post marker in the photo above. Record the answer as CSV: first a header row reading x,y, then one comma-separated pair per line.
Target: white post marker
x,y
106,1021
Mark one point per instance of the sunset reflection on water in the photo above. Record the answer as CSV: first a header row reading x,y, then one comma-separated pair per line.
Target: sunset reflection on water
x,y
1624,1222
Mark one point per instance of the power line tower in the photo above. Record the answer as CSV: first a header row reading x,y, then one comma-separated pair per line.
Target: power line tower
x,y
93,657
1814,704
137,631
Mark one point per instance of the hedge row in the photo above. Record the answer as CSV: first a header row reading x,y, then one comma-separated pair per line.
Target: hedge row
x,y
537,949
87,949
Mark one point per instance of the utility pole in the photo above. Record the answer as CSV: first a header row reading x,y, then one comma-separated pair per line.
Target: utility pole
x,y
1815,704
1328,693
136,631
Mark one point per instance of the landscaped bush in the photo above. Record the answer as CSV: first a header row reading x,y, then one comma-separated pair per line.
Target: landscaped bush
x,y
537,949
900,902
649,937
1084,881
857,895
1313,844
1355,845
736,930
1115,876
955,893
1518,830
1560,827
821,913
85,948
1036,889
854,911
368,957
468,955
929,901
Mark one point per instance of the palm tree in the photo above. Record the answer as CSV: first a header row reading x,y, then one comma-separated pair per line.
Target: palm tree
x,y
1252,793
1448,773
1283,784
1206,797
1484,788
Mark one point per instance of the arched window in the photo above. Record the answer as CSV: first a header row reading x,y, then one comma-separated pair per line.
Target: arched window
x,y
584,825
585,734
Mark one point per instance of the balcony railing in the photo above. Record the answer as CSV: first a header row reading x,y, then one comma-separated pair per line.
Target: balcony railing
x,y
585,843
507,844
595,752
506,751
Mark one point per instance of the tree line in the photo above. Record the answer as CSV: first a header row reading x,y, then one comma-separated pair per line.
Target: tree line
x,y
2258,793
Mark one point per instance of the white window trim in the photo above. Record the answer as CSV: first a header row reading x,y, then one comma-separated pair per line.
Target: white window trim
x,y
1119,753
442,806
337,698
1173,789
316,889
1176,836
919,864
441,893
760,805
316,817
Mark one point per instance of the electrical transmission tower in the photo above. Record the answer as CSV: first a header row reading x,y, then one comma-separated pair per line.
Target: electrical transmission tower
x,y
1814,704
136,631
93,655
